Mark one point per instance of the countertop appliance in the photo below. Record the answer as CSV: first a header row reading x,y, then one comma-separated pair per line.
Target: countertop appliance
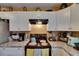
x,y
15,37
63,36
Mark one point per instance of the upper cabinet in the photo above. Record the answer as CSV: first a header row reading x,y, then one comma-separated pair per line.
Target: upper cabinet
x,y
75,17
19,22
63,20
51,22
5,15
37,15
51,16
66,19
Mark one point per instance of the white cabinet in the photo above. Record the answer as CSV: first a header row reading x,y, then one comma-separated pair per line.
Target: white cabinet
x,y
51,21
68,19
11,51
37,15
1,51
5,15
63,20
51,16
19,22
75,17
32,15
59,21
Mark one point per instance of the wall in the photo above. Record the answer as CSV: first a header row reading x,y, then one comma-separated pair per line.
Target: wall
x,y
38,29
28,9
75,34
35,29
55,7
54,34
42,29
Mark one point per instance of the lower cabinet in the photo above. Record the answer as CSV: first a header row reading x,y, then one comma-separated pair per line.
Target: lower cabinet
x,y
12,51
1,51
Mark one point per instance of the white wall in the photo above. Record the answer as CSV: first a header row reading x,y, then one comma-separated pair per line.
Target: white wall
x,y
38,29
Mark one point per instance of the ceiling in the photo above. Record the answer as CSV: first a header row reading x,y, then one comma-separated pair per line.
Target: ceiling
x,y
30,5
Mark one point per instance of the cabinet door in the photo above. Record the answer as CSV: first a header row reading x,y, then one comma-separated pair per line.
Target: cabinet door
x,y
31,15
63,20
37,15
75,17
5,15
44,15
51,16
51,21
13,51
19,22
1,51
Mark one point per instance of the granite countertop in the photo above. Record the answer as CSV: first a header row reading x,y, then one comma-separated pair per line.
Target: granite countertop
x,y
58,44
14,44
72,51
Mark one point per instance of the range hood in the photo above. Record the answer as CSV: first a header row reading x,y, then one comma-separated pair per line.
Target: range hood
x,y
34,21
